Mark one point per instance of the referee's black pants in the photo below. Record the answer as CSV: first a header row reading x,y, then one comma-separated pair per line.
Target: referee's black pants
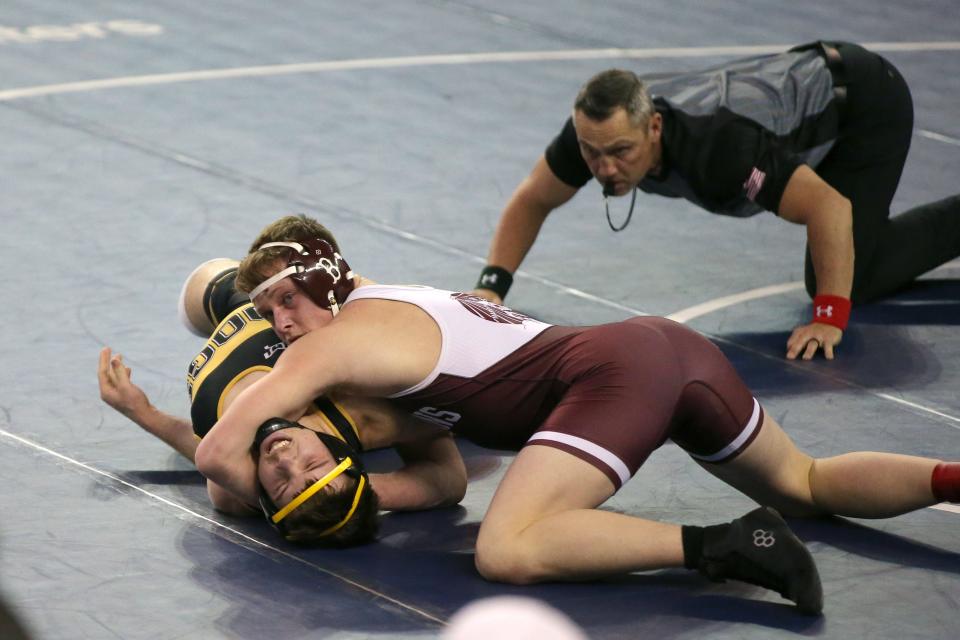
x,y
865,164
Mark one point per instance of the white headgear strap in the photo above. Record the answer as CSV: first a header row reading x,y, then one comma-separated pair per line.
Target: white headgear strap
x,y
277,277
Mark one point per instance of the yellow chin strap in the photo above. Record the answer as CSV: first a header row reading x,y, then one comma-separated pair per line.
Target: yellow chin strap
x,y
320,484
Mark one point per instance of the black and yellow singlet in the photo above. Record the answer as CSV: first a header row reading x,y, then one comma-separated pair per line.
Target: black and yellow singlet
x,y
241,344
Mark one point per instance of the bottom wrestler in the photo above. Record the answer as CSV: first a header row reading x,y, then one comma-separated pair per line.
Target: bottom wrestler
x,y
240,349
585,406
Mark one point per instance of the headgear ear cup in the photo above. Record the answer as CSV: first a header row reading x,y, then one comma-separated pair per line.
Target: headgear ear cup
x,y
207,284
329,279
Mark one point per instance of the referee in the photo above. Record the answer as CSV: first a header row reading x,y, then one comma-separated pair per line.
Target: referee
x,y
818,135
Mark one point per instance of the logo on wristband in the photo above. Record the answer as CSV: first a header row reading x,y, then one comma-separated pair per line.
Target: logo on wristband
x,y
489,279
496,279
832,310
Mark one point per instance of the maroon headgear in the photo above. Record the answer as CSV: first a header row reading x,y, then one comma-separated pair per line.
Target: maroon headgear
x,y
317,269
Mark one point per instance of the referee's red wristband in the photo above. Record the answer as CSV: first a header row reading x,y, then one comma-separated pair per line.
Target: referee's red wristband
x,y
833,310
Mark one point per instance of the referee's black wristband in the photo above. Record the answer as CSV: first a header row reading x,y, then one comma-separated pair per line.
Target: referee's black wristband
x,y
496,279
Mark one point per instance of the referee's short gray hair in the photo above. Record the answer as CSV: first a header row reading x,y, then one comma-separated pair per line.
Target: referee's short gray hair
x,y
609,90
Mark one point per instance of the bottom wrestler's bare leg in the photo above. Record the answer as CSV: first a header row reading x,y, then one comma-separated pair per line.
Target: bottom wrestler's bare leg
x,y
775,473
543,525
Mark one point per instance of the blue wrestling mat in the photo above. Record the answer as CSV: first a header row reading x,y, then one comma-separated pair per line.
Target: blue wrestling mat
x,y
141,138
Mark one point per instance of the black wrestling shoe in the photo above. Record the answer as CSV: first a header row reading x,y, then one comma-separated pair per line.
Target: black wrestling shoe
x,y
758,548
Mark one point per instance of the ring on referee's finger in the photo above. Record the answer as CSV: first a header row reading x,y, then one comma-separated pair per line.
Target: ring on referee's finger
x,y
817,340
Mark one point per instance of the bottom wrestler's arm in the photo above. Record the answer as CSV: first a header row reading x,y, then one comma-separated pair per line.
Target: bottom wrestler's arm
x,y
433,475
117,390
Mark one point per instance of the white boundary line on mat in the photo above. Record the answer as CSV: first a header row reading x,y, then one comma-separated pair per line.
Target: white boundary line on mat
x,y
434,60
210,521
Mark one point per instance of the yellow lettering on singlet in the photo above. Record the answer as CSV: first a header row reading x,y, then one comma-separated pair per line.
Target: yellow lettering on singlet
x,y
229,334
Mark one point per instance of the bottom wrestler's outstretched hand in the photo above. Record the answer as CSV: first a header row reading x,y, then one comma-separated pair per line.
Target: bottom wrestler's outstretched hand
x,y
808,338
117,390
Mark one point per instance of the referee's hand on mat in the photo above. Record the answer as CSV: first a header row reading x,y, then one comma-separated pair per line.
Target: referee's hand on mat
x,y
807,339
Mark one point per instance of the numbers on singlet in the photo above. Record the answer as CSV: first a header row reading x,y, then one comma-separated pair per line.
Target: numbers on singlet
x,y
228,329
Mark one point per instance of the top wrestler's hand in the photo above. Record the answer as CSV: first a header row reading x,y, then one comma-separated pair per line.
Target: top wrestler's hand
x,y
117,390
487,294
808,338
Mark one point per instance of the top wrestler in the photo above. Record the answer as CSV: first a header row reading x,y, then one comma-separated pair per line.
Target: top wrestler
x,y
818,135
241,348
585,406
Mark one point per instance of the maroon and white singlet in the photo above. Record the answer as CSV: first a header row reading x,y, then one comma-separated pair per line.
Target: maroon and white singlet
x,y
609,394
